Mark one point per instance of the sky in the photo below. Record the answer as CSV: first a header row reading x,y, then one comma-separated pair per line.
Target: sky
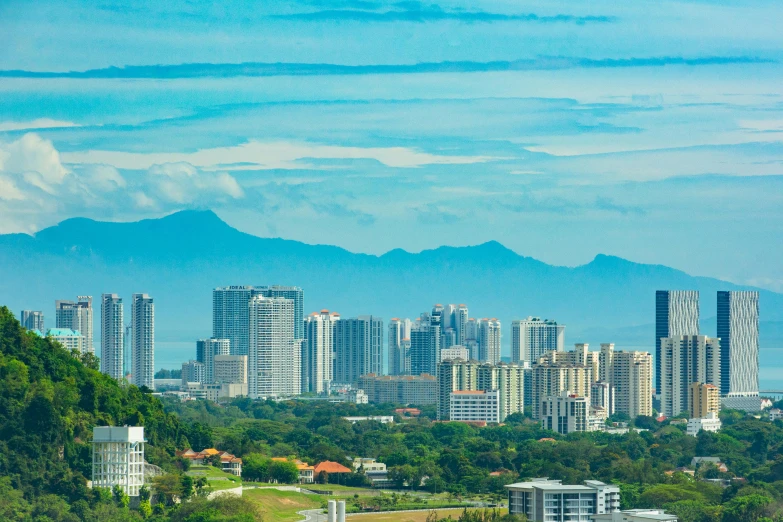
x,y
647,130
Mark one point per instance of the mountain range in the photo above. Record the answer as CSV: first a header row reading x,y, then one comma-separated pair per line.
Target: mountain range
x,y
180,258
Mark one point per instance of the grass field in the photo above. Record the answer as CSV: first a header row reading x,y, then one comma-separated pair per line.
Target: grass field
x,y
218,479
407,516
281,506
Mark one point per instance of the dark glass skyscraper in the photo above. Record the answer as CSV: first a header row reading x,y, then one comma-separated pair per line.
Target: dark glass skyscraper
x,y
676,313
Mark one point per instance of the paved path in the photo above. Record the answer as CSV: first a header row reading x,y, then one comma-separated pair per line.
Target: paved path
x,y
312,515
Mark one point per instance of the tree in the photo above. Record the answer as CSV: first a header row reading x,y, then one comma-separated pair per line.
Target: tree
x,y
120,497
255,467
284,472
187,486
748,508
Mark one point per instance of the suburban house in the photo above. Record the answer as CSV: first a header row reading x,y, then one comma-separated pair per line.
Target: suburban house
x,y
306,471
228,462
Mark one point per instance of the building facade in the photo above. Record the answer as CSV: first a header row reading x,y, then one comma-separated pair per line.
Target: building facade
x,y
193,371
143,349
274,359
686,359
489,340
425,344
71,340
553,374
358,348
112,336
454,352
230,369
207,350
77,316
709,422
318,351
460,375
629,375
703,399
475,406
118,458
676,313
543,500
399,346
565,413
33,320
738,331
419,390
532,337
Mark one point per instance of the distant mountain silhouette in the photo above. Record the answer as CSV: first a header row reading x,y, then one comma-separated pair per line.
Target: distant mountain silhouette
x,y
178,259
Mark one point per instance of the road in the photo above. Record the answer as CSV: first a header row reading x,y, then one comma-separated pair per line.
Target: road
x,y
312,515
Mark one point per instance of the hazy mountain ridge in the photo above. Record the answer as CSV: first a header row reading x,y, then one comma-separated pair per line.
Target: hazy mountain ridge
x,y
178,259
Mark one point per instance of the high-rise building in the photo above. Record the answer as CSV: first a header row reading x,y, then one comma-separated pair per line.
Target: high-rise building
x,y
686,359
118,458
489,340
703,399
455,352
544,500
295,294
274,366
231,369
629,375
425,345
738,331
399,354
418,390
318,351
532,337
358,348
676,313
555,373
112,335
460,375
71,340
33,320
602,396
77,315
193,371
143,320
461,323
207,350
565,413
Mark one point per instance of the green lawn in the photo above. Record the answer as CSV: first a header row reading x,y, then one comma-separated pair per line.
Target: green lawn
x,y
217,478
281,506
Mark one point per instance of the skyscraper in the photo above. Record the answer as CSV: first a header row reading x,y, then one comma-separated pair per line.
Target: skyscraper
x,y
676,313
112,335
294,293
143,320
275,356
33,320
738,330
318,351
686,359
629,376
531,338
461,323
358,348
398,346
77,316
425,345
489,340
206,351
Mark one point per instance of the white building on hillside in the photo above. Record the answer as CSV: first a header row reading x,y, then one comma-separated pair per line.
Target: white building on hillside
x,y
543,500
709,423
118,458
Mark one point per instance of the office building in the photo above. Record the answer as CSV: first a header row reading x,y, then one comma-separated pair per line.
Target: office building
x,y
555,373
77,316
193,371
738,331
703,399
275,356
676,313
69,339
207,350
231,369
112,336
544,500
460,375
489,340
358,348
143,349
118,458
709,422
399,346
602,396
636,515
475,406
532,337
425,345
318,351
565,413
33,320
686,359
455,352
419,390
629,375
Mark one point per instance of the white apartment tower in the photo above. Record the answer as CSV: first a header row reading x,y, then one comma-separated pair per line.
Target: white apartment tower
x,y
112,335
738,331
676,313
33,320
489,340
686,359
275,356
461,323
118,458
629,375
399,346
555,373
318,352
143,348
532,337
77,316
565,413
207,350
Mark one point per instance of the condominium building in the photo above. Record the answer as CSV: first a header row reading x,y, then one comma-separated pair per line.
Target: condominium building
x,y
33,320
710,422
686,359
565,413
738,331
118,458
143,350
70,339
230,369
193,371
207,350
454,352
112,336
77,316
555,373
399,346
475,406
676,313
318,351
461,323
460,375
274,358
544,500
602,396
629,375
703,399
358,348
425,344
419,390
489,340
532,337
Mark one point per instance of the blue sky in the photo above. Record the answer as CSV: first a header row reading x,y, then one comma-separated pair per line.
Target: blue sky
x,y
648,130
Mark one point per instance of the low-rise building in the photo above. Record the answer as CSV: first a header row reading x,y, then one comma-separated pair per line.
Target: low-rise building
x,y
636,515
475,406
544,500
228,462
70,339
306,471
383,419
696,462
400,389
454,352
775,414
709,423
193,371
565,413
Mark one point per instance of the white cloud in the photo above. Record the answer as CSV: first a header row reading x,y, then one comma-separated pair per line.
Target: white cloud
x,y
269,155
40,123
33,154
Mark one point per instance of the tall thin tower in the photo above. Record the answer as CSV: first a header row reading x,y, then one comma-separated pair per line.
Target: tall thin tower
x,y
112,335
738,330
143,319
676,313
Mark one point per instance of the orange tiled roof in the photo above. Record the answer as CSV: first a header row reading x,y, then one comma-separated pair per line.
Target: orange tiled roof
x,y
331,467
